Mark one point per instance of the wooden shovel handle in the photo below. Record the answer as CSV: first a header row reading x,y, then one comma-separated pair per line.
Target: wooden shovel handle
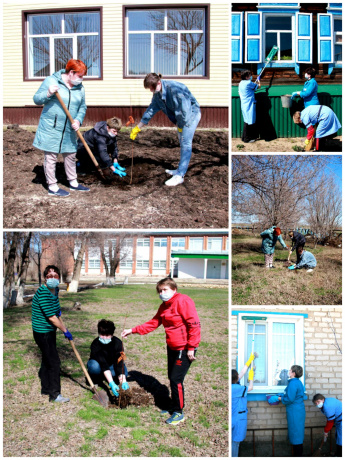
x,y
79,134
82,365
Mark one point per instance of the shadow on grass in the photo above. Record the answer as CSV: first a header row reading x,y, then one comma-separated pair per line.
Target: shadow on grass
x,y
239,248
151,385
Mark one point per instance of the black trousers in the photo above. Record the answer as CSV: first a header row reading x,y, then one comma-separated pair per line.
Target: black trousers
x,y
250,132
339,451
49,372
178,366
297,450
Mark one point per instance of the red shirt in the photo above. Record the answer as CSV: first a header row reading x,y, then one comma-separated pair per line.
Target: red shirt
x,y
180,320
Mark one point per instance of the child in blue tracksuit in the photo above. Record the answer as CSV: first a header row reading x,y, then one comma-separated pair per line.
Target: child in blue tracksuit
x,y
295,411
246,90
239,405
332,409
309,91
306,260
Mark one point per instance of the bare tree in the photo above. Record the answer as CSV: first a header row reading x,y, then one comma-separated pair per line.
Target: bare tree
x,y
73,287
25,257
9,272
37,251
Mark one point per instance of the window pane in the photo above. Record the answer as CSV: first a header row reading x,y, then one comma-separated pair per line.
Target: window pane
x,y
39,52
185,20
285,46
45,24
192,54
278,23
165,54
63,52
139,54
338,55
215,244
85,22
89,52
145,20
338,25
338,39
196,244
271,40
260,348
283,352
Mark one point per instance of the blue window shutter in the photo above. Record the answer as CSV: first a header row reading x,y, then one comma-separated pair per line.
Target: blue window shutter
x,y
325,38
304,38
253,48
237,37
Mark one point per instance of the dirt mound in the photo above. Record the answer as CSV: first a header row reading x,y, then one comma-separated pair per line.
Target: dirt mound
x,y
200,202
133,397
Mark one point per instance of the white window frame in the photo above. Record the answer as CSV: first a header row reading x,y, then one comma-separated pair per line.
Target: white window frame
x,y
210,239
337,34
271,318
239,37
293,29
166,31
52,38
126,263
158,242
178,247
331,61
93,262
141,262
192,239
161,264
142,242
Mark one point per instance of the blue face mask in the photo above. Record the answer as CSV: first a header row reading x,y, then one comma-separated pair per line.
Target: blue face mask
x,y
166,297
104,341
52,283
251,78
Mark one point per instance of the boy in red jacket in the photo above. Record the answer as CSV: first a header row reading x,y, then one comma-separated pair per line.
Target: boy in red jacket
x,y
180,319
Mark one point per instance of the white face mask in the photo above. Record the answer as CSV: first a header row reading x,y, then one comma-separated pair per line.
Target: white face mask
x,y
111,134
76,82
320,405
306,76
166,296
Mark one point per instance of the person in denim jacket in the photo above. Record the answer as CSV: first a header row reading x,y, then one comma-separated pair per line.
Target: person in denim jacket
x,y
182,109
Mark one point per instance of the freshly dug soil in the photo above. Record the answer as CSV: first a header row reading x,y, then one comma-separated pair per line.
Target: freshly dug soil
x,y
200,202
134,397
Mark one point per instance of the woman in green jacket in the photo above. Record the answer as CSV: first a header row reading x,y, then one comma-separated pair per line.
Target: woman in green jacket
x,y
269,240
55,134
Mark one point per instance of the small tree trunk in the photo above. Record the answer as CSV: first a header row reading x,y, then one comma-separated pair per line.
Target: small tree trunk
x,y
73,287
9,274
23,270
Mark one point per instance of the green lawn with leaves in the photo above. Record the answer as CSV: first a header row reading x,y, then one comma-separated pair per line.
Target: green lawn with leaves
x,y
33,427
253,284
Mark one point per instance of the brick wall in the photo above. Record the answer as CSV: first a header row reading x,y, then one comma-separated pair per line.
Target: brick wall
x,y
323,371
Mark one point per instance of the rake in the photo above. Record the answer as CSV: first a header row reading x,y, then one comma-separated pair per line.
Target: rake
x,y
268,59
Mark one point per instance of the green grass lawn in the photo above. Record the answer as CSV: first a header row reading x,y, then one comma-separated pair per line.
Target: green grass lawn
x,y
33,427
253,284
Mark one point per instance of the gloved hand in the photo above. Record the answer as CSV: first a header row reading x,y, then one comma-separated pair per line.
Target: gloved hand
x,y
292,267
114,388
307,142
68,335
59,314
293,95
117,166
179,129
134,133
119,173
52,89
251,374
274,399
325,437
125,386
251,358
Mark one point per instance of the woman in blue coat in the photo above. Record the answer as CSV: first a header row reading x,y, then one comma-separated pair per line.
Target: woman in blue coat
x,y
55,134
309,91
246,90
183,110
269,240
295,410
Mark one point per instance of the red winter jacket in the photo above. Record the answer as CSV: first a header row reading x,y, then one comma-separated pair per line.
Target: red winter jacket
x,y
180,320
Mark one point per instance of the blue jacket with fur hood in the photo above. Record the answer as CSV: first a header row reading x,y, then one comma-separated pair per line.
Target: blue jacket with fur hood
x,y
54,132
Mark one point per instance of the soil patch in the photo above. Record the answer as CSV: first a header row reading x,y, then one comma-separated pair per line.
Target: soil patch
x,y
201,201
282,144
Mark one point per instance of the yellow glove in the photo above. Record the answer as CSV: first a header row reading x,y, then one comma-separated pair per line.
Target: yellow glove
x,y
251,374
179,129
134,133
251,358
306,141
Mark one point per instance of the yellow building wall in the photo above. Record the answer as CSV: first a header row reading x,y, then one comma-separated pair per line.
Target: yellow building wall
x,y
113,89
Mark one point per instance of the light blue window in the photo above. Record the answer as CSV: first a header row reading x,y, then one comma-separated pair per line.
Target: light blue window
x,y
260,347
278,32
338,40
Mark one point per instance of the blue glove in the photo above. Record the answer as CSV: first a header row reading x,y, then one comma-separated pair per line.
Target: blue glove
x,y
294,94
68,335
120,173
292,267
114,388
274,399
117,166
125,386
59,314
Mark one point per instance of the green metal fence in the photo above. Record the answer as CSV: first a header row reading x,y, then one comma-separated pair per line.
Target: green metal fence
x,y
275,121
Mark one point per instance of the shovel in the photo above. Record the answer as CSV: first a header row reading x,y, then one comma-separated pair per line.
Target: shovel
x,y
105,174
99,395
318,452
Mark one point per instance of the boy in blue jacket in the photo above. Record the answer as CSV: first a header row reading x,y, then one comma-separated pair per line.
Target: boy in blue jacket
x,y
306,260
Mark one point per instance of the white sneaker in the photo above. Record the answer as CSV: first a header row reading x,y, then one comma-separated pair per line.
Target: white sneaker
x,y
172,172
310,270
174,180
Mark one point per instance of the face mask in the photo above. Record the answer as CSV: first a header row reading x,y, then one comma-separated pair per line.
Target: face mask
x,y
52,283
76,82
105,341
111,134
165,297
251,78
306,76
320,405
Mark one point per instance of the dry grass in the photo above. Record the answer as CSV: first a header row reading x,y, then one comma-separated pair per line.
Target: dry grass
x,y
253,284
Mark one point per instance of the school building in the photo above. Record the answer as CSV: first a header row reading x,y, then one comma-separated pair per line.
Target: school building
x,y
120,42
307,35
307,336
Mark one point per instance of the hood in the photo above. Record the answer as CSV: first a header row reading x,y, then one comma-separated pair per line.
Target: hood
x,y
58,76
101,128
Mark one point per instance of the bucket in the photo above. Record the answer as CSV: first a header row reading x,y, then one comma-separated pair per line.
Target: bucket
x,y
286,101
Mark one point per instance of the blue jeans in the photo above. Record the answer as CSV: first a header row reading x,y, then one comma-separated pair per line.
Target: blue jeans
x,y
94,370
235,445
186,138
